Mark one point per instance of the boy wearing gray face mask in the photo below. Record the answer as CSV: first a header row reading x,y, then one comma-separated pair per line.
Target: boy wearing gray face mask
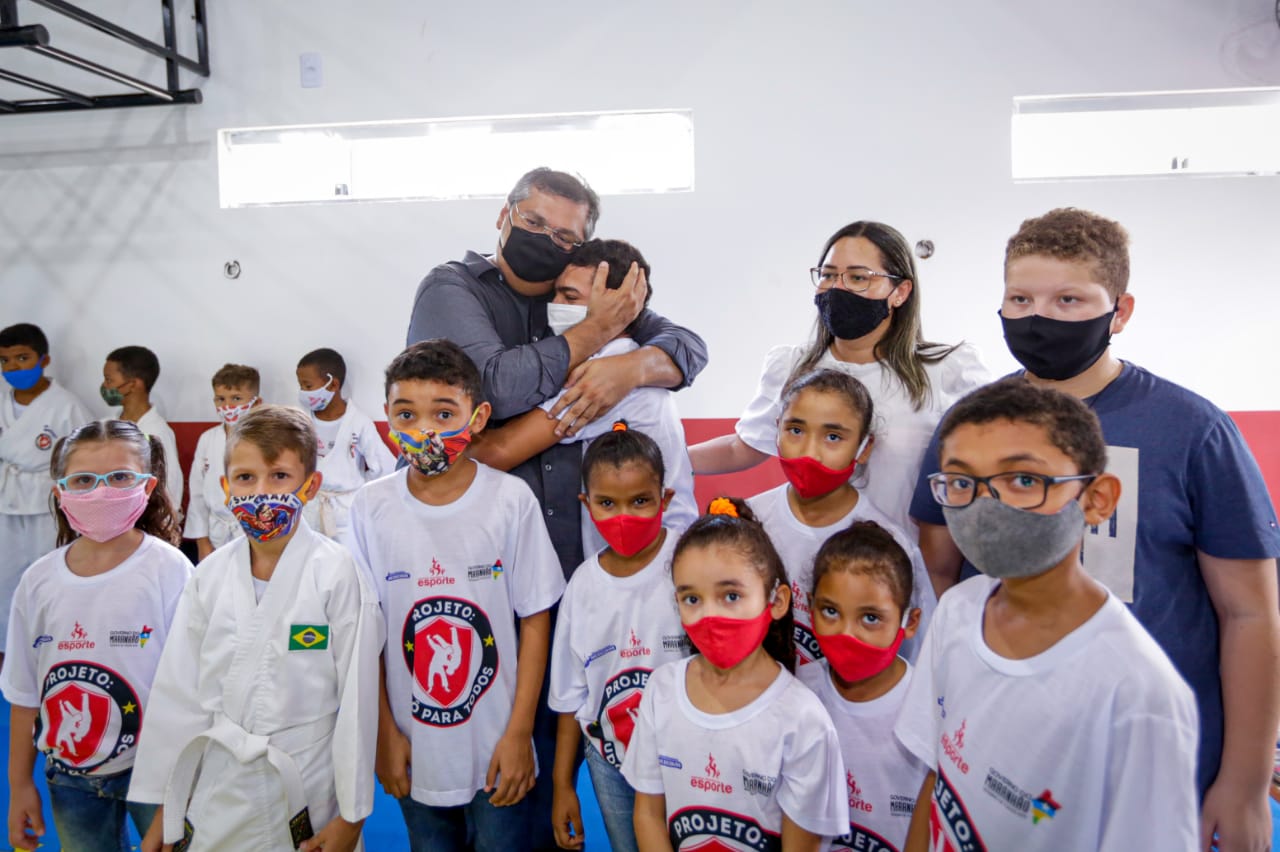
x,y
1037,691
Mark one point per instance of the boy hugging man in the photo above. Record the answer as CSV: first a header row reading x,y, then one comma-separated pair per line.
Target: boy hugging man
x,y
466,573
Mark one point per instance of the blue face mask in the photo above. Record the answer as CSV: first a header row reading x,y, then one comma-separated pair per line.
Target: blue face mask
x,y
24,379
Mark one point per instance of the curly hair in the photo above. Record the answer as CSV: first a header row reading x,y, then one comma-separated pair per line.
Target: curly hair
x,y
1071,234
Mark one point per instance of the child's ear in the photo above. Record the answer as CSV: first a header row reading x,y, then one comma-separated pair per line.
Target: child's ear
x,y
781,602
481,417
582,498
667,494
151,486
44,361
866,451
1101,498
1124,313
913,622
313,486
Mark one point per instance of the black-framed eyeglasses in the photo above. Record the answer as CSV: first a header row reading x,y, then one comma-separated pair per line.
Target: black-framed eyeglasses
x,y
1016,488
856,279
562,237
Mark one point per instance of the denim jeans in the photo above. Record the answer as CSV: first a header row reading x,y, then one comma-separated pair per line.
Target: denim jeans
x,y
617,801
476,825
89,811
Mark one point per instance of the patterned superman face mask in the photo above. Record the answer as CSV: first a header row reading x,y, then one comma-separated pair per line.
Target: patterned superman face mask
x,y
433,453
266,517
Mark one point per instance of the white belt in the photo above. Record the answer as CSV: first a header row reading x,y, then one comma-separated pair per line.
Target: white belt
x,y
327,504
246,748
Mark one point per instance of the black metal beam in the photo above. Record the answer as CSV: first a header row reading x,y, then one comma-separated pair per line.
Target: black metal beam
x,y
8,13
186,96
202,36
102,71
23,36
31,83
170,54
171,42
7,106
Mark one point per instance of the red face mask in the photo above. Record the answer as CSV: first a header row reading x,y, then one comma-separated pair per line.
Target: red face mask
x,y
811,478
629,534
725,642
855,660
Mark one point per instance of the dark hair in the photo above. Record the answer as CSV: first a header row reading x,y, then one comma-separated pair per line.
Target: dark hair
x,y
158,517
620,446
1071,425
1068,233
563,184
437,360
25,334
839,382
274,429
327,361
867,548
137,362
619,254
237,376
903,349
745,534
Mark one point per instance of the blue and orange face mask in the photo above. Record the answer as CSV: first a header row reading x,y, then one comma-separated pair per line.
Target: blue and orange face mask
x,y
433,453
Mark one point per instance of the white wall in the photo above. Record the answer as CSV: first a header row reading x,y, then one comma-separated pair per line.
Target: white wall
x,y
808,115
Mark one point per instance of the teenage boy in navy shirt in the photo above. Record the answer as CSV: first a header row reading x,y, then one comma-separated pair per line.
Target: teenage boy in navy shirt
x,y
1192,546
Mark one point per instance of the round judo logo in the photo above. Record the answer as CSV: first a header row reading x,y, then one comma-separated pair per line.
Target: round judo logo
x,y
452,653
619,709
45,439
88,715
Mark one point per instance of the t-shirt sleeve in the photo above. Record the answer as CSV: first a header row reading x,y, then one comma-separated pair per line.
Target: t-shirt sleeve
x,y
355,539
18,679
568,688
963,371
1150,800
917,725
536,578
1233,515
640,765
686,350
811,785
378,460
923,507
758,424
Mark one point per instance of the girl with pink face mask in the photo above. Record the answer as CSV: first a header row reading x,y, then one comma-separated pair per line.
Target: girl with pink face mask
x,y
862,613
89,621
729,746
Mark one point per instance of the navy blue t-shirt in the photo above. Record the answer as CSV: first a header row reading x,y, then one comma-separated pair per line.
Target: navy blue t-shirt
x,y
1189,482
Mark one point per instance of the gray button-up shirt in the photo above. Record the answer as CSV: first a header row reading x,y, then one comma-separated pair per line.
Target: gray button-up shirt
x,y
522,364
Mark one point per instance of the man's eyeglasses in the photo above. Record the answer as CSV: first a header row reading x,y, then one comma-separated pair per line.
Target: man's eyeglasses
x,y
562,237
856,279
1017,489
79,483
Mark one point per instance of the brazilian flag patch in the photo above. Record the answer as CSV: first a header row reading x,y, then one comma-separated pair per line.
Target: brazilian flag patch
x,y
308,637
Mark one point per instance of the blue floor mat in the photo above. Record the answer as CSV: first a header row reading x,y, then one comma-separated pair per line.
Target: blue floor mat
x,y
383,832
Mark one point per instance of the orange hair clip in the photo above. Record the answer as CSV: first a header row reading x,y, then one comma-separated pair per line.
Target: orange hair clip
x,y
620,426
722,506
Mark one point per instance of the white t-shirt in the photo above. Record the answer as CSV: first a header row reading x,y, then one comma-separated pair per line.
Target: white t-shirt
x,y
1088,745
153,424
729,777
902,433
651,411
85,649
452,581
798,543
611,633
882,778
326,434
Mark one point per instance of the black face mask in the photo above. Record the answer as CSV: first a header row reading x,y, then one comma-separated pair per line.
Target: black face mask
x,y
1057,349
534,257
849,316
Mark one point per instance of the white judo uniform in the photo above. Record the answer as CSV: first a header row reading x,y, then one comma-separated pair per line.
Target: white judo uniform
x,y
265,713
352,455
207,512
27,436
153,424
